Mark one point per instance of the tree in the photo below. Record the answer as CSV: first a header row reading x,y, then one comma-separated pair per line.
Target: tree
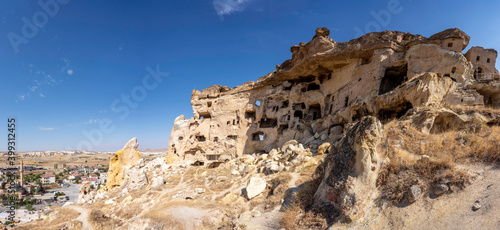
x,y
29,207
60,194
55,166
91,186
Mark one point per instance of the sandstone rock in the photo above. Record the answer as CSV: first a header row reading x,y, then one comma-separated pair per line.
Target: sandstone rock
x,y
273,153
199,190
324,148
157,182
414,193
255,186
235,172
383,74
350,175
122,161
137,179
440,189
84,194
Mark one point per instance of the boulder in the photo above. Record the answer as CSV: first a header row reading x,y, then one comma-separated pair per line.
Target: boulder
x,y
137,179
157,182
255,186
414,193
440,189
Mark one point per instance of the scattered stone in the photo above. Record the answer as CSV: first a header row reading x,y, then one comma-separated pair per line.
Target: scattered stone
x,y
441,189
157,182
255,186
476,206
414,193
199,190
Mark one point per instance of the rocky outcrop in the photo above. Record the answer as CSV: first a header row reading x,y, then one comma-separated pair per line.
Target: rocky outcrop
x,y
85,193
349,183
121,162
137,179
326,85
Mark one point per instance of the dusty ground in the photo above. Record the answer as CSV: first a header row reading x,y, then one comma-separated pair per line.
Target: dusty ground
x,y
449,211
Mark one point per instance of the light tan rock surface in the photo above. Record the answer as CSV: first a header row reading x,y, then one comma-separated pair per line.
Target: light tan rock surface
x,y
121,162
349,183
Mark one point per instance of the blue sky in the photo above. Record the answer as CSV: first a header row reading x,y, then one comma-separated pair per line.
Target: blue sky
x,y
65,81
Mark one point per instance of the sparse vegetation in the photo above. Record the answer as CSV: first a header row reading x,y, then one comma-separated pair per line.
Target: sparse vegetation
x,y
430,159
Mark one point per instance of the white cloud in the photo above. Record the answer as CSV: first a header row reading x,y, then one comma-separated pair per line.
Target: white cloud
x,y
33,88
41,95
45,129
92,121
70,72
225,7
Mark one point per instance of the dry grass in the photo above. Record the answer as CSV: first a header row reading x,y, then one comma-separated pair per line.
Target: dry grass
x,y
301,214
277,189
64,217
164,220
480,143
99,220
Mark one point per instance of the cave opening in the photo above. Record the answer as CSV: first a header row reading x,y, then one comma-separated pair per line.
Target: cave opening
x,y
282,128
386,115
198,163
205,115
250,115
312,86
298,114
315,111
268,123
258,136
200,138
394,76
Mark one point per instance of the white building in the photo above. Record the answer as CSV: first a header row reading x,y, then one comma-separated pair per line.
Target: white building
x,y
48,178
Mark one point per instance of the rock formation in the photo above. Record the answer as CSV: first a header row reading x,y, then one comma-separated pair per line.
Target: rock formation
x,y
349,183
327,84
121,162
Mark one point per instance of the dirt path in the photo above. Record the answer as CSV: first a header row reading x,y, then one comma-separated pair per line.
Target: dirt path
x,y
293,181
84,213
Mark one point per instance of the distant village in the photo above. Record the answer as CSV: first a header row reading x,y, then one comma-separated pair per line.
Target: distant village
x,y
37,187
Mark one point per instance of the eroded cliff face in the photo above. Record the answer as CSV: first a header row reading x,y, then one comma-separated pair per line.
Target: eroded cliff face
x,y
121,162
327,84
